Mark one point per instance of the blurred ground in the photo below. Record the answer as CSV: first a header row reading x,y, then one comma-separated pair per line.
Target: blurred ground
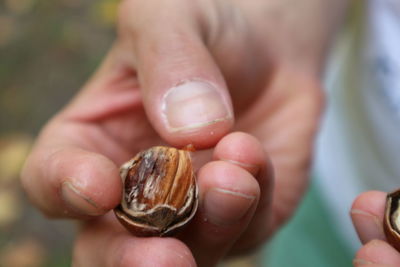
x,y
47,51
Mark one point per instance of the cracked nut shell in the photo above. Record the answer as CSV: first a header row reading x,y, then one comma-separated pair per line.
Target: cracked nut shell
x,y
160,193
391,224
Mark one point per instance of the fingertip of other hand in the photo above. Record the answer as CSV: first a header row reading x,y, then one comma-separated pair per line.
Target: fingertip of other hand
x,y
372,201
367,214
377,253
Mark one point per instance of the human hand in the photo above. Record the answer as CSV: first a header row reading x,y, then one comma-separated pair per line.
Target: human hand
x,y
367,214
166,79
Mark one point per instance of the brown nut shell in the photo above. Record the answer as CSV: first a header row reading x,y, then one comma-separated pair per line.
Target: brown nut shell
x,y
391,223
160,193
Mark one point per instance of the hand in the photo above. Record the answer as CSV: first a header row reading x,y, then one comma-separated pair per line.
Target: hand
x,y
166,79
367,214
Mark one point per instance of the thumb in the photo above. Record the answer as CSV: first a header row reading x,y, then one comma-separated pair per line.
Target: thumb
x,y
184,92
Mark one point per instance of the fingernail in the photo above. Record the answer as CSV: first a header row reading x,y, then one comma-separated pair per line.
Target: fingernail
x,y
224,207
77,201
360,262
252,168
368,224
193,105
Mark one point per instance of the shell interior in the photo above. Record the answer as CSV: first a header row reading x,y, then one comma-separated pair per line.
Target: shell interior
x,y
395,214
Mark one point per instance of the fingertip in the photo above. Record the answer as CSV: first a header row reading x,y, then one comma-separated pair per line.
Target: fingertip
x,y
196,112
367,214
201,138
246,152
187,100
228,193
91,186
194,104
372,201
71,182
377,253
221,174
242,149
228,198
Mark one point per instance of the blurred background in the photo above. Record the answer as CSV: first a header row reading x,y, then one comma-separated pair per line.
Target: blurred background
x,y
47,51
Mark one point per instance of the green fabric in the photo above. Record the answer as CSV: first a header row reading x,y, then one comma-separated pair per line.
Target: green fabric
x,y
309,240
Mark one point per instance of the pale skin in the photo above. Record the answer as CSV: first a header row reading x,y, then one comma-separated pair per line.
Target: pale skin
x,y
367,214
252,72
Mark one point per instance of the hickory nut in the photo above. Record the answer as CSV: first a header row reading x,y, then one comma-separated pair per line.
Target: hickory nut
x,y
160,193
391,224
